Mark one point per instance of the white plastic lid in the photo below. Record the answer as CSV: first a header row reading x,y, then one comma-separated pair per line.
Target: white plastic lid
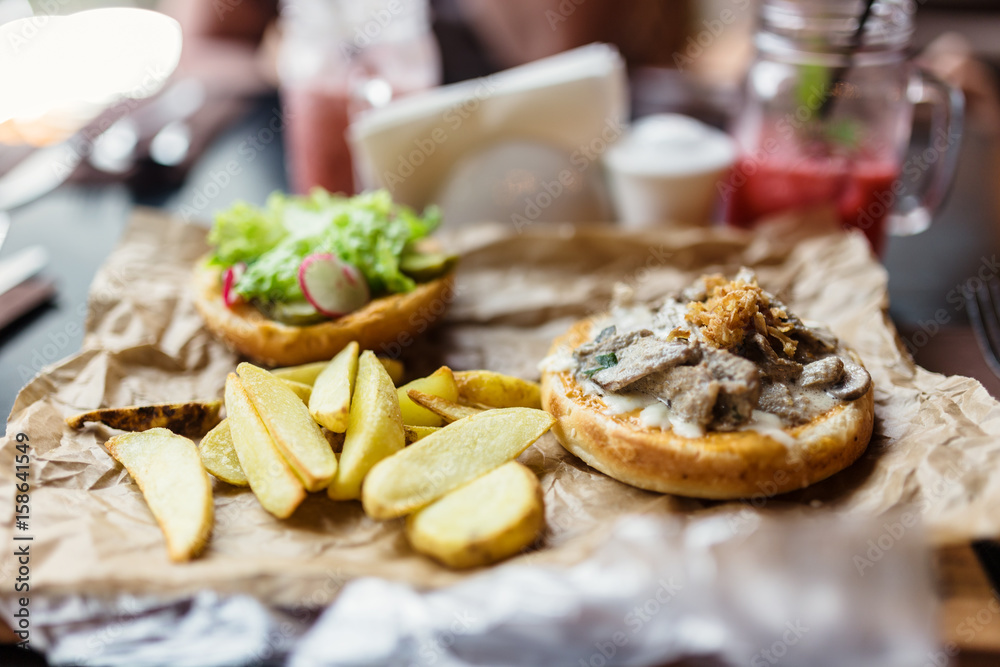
x,y
671,145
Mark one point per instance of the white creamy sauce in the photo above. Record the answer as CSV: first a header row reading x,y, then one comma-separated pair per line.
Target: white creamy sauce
x,y
619,404
661,322
671,316
769,425
659,415
812,399
656,415
688,430
625,319
557,362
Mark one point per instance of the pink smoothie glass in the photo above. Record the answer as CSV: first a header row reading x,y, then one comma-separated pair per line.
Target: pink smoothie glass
x,y
338,58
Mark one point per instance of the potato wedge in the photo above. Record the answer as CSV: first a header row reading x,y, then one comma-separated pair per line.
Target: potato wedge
x,y
270,477
307,373
176,487
330,404
449,458
483,522
219,456
395,369
192,419
439,383
497,390
375,430
293,430
414,433
449,411
300,389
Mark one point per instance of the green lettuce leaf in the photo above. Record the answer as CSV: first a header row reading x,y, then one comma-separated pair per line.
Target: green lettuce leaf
x,y
368,231
244,232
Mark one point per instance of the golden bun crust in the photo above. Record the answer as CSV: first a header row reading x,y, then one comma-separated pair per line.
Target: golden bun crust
x,y
719,465
386,322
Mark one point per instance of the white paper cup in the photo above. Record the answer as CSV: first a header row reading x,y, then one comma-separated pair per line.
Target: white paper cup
x,y
666,171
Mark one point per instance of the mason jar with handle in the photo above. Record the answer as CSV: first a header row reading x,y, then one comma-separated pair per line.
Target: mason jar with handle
x,y
828,116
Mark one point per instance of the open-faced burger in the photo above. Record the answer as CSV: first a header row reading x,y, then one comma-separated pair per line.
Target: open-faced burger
x,y
717,392
298,279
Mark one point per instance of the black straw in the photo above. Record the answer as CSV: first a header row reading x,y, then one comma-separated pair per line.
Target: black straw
x,y
840,73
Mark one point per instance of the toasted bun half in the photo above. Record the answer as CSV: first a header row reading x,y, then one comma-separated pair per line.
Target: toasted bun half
x,y
386,322
718,465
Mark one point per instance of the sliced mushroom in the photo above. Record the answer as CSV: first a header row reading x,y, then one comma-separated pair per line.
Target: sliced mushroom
x,y
826,371
855,384
777,399
739,388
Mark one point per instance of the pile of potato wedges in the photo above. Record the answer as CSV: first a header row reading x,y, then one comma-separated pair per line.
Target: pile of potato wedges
x,y
440,450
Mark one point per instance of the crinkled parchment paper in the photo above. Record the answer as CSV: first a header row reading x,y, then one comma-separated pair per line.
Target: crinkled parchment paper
x,y
935,447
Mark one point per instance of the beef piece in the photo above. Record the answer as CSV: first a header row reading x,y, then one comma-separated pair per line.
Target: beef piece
x,y
690,391
772,365
721,390
731,369
826,371
609,341
855,384
777,399
643,357
739,388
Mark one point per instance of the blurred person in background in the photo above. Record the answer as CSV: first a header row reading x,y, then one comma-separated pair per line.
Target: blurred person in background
x,y
509,33
231,46
477,37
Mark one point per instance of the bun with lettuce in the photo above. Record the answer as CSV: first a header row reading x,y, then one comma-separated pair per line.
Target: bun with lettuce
x,y
296,280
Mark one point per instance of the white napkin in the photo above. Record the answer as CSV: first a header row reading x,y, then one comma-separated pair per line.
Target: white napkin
x,y
523,145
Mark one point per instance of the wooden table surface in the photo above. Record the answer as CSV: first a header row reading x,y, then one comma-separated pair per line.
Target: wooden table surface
x,y
970,608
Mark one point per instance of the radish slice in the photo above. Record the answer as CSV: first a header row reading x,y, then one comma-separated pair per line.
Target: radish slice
x,y
332,286
229,280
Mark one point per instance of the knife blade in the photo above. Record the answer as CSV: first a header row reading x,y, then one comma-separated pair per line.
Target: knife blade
x,y
22,265
17,302
41,172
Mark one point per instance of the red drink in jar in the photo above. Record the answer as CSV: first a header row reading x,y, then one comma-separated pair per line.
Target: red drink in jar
x,y
859,189
827,115
316,139
338,58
